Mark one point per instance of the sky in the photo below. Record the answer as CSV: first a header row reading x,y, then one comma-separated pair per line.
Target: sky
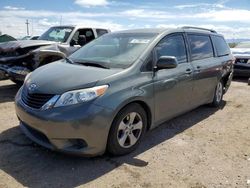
x,y
228,17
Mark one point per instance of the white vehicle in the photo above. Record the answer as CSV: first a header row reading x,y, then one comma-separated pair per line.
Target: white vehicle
x,y
18,58
241,53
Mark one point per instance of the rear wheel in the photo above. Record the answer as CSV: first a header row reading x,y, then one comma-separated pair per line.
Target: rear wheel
x,y
127,130
218,95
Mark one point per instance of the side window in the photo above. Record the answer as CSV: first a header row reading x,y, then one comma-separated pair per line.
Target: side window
x,y
87,33
221,46
201,46
76,35
101,32
148,65
172,46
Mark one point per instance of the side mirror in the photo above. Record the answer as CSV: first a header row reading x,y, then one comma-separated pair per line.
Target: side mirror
x,y
166,62
82,40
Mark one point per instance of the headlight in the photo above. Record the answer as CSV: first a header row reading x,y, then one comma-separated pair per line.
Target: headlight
x,y
80,96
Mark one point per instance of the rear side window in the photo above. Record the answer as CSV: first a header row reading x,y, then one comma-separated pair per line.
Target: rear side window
x,y
101,32
221,46
89,35
172,46
201,47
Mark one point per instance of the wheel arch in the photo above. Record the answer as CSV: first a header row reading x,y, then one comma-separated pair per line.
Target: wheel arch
x,y
143,104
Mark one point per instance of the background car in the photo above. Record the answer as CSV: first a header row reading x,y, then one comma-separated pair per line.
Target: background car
x,y
6,38
33,37
241,53
18,58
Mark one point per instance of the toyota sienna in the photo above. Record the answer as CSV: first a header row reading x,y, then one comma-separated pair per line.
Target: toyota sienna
x,y
109,93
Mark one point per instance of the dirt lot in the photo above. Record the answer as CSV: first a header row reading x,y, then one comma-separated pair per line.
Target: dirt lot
x,y
203,148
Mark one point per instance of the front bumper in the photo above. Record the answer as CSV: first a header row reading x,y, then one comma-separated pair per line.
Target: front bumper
x,y
13,72
77,129
242,66
18,73
241,71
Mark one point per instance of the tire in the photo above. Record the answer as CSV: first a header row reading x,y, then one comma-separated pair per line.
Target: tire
x,y
127,130
218,95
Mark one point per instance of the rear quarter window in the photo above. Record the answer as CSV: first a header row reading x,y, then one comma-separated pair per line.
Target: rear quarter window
x,y
201,46
221,46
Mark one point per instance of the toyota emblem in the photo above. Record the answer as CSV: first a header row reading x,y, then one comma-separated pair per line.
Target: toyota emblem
x,y
32,88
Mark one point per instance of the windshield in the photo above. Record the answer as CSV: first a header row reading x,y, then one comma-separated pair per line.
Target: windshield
x,y
57,34
243,45
114,50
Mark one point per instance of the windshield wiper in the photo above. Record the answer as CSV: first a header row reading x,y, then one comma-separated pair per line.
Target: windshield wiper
x,y
69,60
93,64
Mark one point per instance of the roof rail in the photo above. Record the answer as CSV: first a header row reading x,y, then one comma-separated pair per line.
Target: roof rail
x,y
199,28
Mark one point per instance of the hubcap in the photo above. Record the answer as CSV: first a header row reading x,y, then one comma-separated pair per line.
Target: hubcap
x,y
219,92
129,130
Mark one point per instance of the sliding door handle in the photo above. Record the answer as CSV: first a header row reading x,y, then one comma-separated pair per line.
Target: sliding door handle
x,y
189,71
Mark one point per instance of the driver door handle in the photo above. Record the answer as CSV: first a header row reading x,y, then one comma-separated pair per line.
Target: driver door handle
x,y
198,69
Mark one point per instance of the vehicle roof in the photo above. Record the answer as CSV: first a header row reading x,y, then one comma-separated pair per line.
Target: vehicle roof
x,y
169,30
79,26
144,30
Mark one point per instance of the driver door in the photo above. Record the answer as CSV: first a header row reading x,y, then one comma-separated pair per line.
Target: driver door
x,y
172,87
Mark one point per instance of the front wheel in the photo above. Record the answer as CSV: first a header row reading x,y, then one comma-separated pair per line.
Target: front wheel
x,y
218,95
127,130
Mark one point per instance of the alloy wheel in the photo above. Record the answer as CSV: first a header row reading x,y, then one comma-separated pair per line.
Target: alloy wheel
x,y
129,130
219,92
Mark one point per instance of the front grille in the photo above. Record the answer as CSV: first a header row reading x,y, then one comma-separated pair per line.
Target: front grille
x,y
241,60
35,100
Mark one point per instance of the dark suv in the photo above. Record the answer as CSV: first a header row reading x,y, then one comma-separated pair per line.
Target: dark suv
x,y
108,94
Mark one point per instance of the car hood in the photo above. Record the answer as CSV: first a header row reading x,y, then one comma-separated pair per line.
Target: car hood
x,y
59,77
13,45
240,51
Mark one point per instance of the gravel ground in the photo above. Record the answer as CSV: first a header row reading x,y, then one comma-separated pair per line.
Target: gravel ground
x,y
206,147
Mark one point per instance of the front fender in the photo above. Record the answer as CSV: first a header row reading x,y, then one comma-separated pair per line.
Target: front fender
x,y
47,54
137,88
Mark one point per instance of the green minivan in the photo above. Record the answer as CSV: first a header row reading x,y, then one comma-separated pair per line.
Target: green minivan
x,y
109,93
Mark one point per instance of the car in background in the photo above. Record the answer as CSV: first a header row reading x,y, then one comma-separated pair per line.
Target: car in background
x,y
241,53
18,58
109,93
33,37
6,38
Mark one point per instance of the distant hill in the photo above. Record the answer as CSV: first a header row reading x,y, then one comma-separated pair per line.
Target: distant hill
x,y
236,40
